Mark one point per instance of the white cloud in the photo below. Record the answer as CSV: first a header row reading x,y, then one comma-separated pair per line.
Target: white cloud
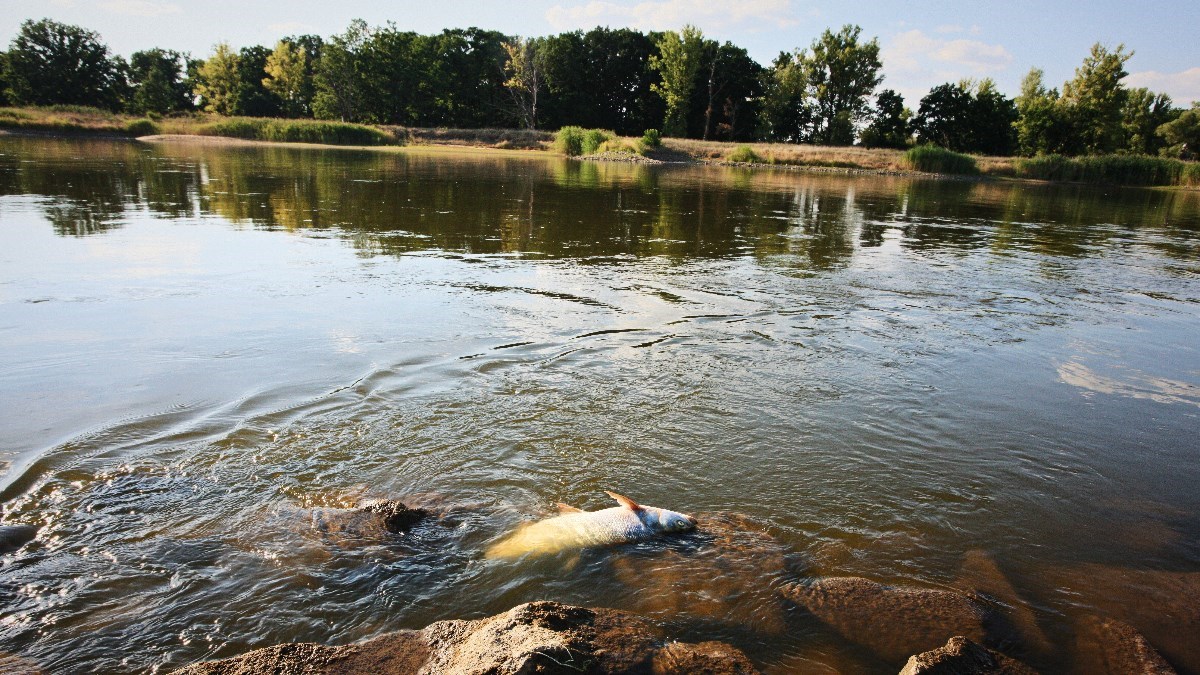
x,y
948,28
1183,87
914,62
915,51
140,7
673,14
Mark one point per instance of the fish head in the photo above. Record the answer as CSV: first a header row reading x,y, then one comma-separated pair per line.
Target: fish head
x,y
664,520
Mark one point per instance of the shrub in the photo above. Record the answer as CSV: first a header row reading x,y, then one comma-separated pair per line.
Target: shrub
x,y
651,138
744,154
142,127
1112,169
569,141
934,159
297,131
593,139
572,141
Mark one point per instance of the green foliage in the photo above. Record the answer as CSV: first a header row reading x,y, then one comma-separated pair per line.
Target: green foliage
x,y
287,71
788,113
142,127
933,159
677,63
297,131
726,95
842,74
744,154
612,91
1095,99
889,127
967,117
573,141
254,99
1111,169
569,141
1042,124
158,80
651,138
1182,136
50,62
1143,114
524,83
218,81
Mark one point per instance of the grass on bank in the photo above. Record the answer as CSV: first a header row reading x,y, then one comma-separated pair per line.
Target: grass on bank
x,y
1111,170
932,159
297,131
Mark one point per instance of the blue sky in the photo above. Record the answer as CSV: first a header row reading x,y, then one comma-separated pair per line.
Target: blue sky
x,y
925,42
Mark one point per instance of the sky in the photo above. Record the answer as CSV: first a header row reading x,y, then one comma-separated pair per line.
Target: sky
x,y
923,42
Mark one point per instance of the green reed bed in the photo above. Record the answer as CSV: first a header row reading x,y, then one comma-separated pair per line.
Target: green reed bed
x,y
1111,169
934,159
297,131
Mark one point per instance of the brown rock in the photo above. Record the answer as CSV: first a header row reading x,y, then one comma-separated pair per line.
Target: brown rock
x,y
373,522
893,622
725,572
1163,604
960,656
1110,646
539,637
981,574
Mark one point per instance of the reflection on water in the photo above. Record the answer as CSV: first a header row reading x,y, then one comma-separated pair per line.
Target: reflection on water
x,y
957,384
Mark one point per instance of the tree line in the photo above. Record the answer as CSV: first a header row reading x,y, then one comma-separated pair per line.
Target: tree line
x,y
620,79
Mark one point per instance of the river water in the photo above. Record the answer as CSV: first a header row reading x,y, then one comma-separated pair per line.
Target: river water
x,y
892,377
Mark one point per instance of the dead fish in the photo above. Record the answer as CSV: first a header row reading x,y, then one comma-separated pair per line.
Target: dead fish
x,y
576,529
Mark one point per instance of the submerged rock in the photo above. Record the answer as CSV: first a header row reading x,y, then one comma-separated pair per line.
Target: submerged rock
x,y
724,572
13,537
982,575
960,656
538,637
891,621
372,522
1116,648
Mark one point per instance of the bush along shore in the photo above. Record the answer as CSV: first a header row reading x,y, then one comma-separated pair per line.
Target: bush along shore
x,y
574,141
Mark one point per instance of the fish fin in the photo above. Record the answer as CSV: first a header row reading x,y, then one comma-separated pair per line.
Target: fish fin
x,y
567,508
572,562
624,501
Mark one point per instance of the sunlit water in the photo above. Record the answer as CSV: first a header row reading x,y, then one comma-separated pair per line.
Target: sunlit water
x,y
888,375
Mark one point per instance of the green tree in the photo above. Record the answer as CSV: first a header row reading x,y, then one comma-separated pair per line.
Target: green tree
x,y
158,80
524,70
1144,113
338,83
254,99
889,126
968,117
53,63
788,115
677,63
3,78
602,80
842,74
287,71
1041,124
1182,136
470,89
218,81
1095,99
727,92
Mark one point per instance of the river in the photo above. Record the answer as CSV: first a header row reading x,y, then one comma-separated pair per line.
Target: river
x,y
888,375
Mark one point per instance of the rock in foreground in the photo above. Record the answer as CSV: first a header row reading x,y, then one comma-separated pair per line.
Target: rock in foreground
x,y
960,656
1111,646
539,637
893,622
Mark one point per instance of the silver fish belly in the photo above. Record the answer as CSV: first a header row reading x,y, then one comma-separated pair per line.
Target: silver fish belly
x,y
629,522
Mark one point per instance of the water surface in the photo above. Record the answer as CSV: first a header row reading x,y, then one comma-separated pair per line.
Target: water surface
x,y
890,376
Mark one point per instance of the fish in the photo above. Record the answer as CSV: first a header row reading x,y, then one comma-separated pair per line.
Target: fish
x,y
576,529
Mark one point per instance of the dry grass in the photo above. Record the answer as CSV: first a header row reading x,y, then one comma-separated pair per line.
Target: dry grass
x,y
788,154
504,139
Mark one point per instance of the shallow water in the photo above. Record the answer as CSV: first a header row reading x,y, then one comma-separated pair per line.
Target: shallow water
x,y
892,377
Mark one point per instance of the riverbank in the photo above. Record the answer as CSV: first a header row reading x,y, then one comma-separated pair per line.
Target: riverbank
x,y
1109,170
